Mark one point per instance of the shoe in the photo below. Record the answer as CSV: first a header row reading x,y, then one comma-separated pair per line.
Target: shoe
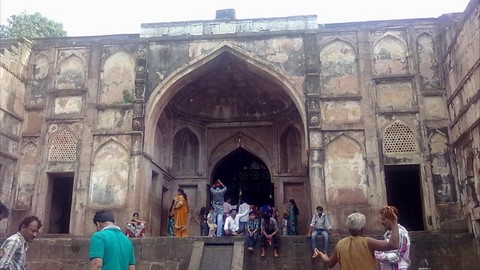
x,y
262,255
314,255
275,255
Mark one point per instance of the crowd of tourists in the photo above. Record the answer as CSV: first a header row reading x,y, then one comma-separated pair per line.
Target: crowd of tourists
x,y
110,247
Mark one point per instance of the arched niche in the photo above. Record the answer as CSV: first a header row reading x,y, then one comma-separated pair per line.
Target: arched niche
x,y
338,69
186,154
41,67
427,61
290,151
117,78
109,176
345,171
443,182
71,73
27,177
390,56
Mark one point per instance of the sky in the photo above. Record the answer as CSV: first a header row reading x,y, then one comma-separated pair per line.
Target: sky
x,y
110,17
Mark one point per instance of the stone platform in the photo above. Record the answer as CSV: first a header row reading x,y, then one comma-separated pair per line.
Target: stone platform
x,y
444,251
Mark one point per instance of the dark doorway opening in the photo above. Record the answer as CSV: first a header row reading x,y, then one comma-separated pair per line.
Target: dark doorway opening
x,y
245,172
404,192
166,208
60,189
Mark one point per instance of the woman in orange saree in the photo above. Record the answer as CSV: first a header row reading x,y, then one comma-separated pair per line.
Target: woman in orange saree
x,y
180,212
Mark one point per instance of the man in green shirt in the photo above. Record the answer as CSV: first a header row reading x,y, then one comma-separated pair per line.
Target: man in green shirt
x,y
110,249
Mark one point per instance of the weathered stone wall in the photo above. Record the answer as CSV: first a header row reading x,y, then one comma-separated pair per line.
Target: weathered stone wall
x,y
442,251
14,148
462,70
354,96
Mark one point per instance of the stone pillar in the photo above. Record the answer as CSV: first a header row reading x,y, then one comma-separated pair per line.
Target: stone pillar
x,y
312,89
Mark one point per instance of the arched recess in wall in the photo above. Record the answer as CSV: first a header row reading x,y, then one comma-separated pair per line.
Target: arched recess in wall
x,y
235,141
27,177
290,151
345,171
109,175
163,140
390,55
41,66
63,146
173,83
71,73
117,78
427,59
186,154
399,138
338,69
443,182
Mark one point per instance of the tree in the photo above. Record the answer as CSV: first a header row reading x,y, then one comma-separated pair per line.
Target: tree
x,y
31,26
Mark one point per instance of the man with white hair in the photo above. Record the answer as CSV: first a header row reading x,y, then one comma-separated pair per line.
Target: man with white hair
x,y
355,252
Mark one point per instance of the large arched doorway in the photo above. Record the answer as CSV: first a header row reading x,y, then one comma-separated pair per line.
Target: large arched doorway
x,y
246,176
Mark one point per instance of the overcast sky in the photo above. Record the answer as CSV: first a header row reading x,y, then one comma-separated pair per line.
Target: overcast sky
x,y
107,17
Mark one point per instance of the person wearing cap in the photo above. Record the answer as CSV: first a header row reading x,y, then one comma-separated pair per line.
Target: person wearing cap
x,y
109,248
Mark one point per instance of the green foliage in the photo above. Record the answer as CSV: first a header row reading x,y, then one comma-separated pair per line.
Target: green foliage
x,y
31,26
127,96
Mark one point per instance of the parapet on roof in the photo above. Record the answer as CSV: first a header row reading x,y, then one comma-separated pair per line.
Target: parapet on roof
x,y
229,25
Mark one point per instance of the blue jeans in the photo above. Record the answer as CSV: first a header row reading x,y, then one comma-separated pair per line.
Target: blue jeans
x,y
251,240
220,224
324,233
241,226
203,229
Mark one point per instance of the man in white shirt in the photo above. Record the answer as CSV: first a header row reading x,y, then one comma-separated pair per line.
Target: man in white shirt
x,y
319,225
243,207
232,223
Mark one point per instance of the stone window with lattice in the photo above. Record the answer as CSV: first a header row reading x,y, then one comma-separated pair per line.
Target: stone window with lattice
x,y
63,147
399,138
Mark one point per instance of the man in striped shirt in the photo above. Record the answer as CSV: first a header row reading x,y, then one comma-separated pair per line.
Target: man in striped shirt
x,y
14,250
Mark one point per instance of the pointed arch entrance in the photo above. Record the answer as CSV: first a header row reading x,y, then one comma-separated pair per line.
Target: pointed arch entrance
x,y
246,176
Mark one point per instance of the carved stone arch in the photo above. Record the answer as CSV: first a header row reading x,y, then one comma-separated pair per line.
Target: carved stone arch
x,y
30,148
290,150
62,146
359,144
173,83
109,175
345,169
186,152
239,139
71,72
399,138
393,36
427,58
328,41
338,68
390,55
42,66
117,77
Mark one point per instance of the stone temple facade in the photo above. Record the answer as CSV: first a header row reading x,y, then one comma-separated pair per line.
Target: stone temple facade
x,y
350,116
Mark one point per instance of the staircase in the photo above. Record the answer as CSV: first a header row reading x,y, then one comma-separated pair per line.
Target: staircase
x,y
221,254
